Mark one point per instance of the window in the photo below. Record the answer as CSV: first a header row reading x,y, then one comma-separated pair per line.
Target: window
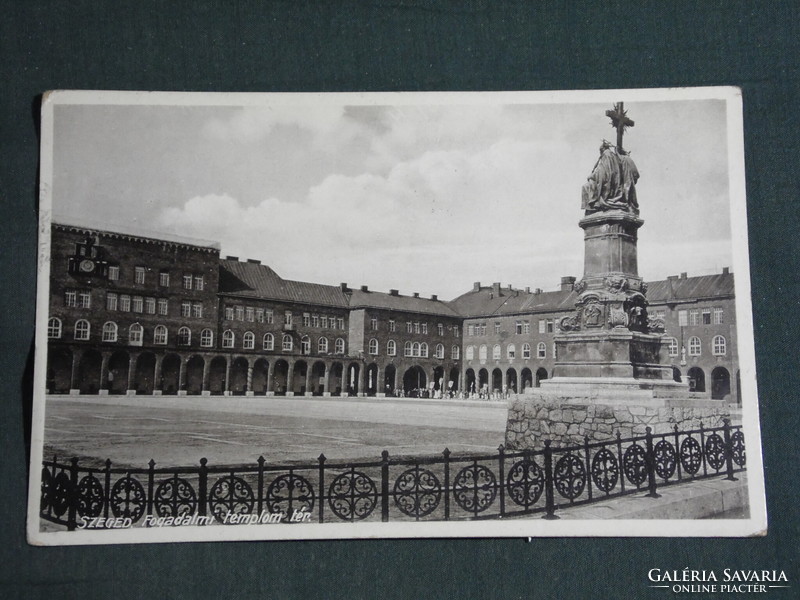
x,y
162,306
416,349
340,322
54,328
470,330
549,325
526,327
408,349
455,353
111,301
138,304
373,347
511,351
150,306
496,352
455,330
240,313
717,315
324,322
695,346
110,332
249,314
287,318
440,329
138,275
392,326
541,350
425,328
409,327
259,315
113,273
187,282
160,335
269,341
706,316
496,327
228,339
694,317
683,320
482,352
184,336
391,348
518,327
163,279
720,345
526,350
125,303
229,313
322,345
673,346
416,327
315,320
542,326
186,309
197,310
470,353
206,338
268,316
199,283
85,300
439,351
287,343
249,340
135,334
339,346
305,345
373,324
306,320
482,329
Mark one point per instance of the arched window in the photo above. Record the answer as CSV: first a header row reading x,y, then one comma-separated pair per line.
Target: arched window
x,y
391,348
249,340
305,345
135,334
54,328
526,350
695,346
673,346
269,341
160,335
541,350
511,351
206,338
82,329
720,345
287,343
373,347
228,339
417,351
470,353
482,352
322,345
439,351
423,350
455,353
339,346
184,336
110,332
496,352
408,349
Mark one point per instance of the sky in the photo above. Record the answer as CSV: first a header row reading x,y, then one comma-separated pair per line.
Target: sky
x,y
424,196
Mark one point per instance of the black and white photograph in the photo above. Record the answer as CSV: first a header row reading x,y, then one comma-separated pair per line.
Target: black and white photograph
x,y
389,315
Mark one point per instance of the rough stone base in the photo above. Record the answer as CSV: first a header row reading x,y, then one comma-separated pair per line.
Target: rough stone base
x,y
567,418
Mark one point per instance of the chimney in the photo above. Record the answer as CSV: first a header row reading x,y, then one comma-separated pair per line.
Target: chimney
x,y
232,258
394,293
527,289
496,287
253,261
567,284
537,291
416,294
726,270
672,277
683,275
509,287
364,288
476,287
343,287
434,297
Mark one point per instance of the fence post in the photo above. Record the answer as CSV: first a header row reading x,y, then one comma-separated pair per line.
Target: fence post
x,y
385,486
150,487
728,449
260,505
203,485
72,495
588,467
548,482
650,462
321,486
502,473
446,454
107,489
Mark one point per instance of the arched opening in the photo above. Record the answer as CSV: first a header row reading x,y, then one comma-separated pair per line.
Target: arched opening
x,y
170,374
353,370
720,383
335,378
59,371
216,375
145,373
299,377
469,376
260,374
118,366
89,372
511,381
371,379
483,381
527,378
452,381
541,375
414,382
389,384
497,381
194,375
318,378
676,374
237,384
697,380
280,375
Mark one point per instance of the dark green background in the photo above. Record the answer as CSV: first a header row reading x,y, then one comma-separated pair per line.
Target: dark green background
x,y
404,45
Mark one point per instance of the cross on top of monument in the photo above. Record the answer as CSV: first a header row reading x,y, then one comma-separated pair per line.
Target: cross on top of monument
x,y
619,121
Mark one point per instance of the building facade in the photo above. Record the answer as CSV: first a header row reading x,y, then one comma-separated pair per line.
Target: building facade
x,y
140,315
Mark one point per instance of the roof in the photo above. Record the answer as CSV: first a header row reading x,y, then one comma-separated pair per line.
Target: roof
x,y
133,234
682,289
366,299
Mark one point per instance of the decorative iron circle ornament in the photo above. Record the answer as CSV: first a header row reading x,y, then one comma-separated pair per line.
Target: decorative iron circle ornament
x,y
230,494
691,455
525,482
46,490
665,459
174,497
634,464
715,451
417,492
475,488
128,498
738,453
90,496
569,476
61,489
605,470
288,493
352,496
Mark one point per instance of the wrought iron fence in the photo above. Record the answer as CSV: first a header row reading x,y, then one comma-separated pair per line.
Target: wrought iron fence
x,y
438,487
